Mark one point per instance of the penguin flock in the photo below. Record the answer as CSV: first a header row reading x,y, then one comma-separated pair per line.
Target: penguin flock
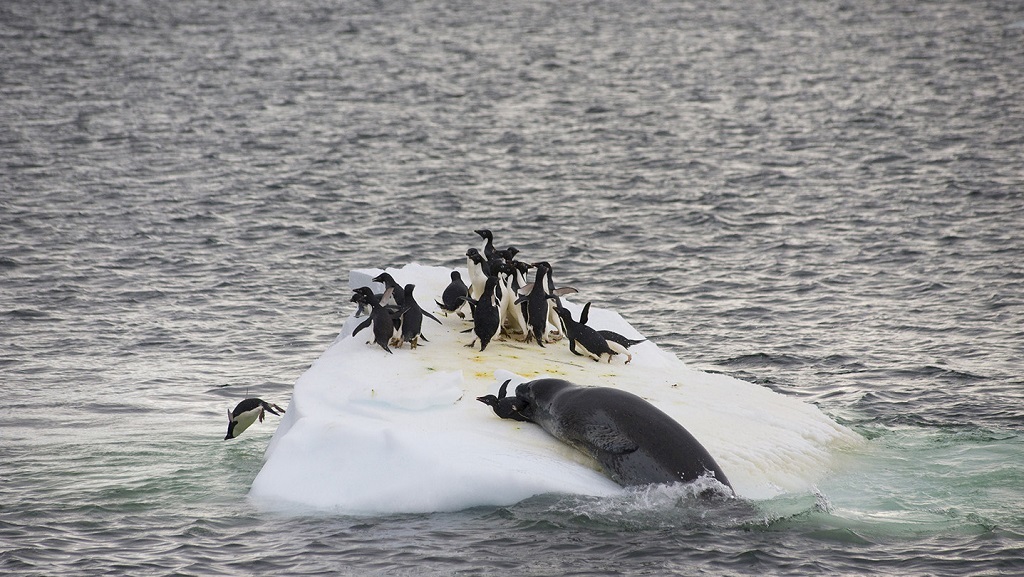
x,y
499,300
395,316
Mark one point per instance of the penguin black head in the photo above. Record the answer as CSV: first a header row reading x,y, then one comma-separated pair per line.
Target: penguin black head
x,y
512,408
508,254
485,234
363,294
385,278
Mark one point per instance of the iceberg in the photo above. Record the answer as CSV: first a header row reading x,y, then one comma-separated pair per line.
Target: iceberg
x,y
372,433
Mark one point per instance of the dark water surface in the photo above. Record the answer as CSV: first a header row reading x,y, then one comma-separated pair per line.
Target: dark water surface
x,y
825,198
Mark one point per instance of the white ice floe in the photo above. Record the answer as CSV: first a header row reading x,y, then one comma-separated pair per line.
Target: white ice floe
x,y
369,432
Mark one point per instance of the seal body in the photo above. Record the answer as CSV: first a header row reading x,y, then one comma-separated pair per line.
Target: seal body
x,y
634,441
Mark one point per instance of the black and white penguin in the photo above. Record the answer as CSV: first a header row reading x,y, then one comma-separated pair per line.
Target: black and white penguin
x,y
589,339
486,315
515,310
555,293
397,292
384,320
488,248
476,267
246,413
412,320
508,254
504,406
451,298
536,299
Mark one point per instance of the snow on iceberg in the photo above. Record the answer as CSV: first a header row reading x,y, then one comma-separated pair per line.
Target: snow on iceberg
x,y
371,433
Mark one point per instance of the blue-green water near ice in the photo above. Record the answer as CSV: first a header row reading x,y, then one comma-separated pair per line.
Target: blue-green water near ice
x,y
825,198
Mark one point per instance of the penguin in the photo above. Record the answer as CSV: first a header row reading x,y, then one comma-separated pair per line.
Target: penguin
x,y
553,319
397,292
246,413
515,311
361,297
383,318
588,338
412,320
477,273
486,316
536,299
488,248
610,336
504,406
508,255
451,298
503,296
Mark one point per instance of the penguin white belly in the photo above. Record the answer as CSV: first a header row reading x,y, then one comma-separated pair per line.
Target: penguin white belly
x,y
244,420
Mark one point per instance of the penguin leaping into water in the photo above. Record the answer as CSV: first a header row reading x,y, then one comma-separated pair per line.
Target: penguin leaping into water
x,y
246,413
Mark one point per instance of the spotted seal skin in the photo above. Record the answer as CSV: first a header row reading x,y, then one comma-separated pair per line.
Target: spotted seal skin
x,y
635,442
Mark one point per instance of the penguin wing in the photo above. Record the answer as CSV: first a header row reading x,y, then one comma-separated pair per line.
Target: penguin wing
x,y
526,289
503,390
428,315
585,315
566,290
363,325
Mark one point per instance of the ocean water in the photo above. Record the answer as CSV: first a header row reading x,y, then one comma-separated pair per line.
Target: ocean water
x,y
825,198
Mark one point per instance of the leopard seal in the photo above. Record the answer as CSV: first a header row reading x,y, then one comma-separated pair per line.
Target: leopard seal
x,y
635,442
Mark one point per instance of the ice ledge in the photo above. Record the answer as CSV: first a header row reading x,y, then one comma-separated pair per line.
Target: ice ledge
x,y
371,433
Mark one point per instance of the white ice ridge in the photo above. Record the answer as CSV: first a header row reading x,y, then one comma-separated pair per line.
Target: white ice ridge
x,y
370,433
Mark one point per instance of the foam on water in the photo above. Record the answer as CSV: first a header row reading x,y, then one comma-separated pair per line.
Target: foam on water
x,y
371,433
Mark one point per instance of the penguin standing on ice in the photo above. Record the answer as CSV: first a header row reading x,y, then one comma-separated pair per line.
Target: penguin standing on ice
x,y
515,310
383,318
246,413
478,270
486,314
397,292
451,298
555,293
592,342
536,299
412,320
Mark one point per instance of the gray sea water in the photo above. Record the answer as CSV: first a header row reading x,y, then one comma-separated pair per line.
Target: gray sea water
x,y
825,198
